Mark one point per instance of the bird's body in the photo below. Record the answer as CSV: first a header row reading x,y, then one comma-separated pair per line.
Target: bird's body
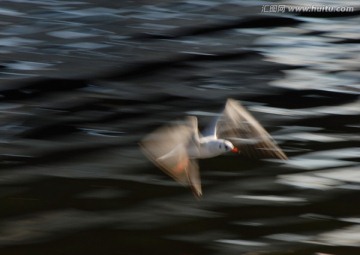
x,y
175,149
209,147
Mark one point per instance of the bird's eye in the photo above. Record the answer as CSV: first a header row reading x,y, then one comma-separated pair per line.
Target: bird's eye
x,y
226,147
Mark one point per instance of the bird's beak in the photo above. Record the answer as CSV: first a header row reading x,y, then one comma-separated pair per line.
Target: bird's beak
x,y
236,150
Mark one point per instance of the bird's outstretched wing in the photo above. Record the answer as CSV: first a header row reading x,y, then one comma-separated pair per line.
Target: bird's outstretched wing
x,y
239,127
167,147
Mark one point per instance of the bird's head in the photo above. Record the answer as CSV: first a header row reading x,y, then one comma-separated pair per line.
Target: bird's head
x,y
227,146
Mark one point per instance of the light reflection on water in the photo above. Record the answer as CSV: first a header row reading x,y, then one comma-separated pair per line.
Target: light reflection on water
x,y
324,179
273,198
349,236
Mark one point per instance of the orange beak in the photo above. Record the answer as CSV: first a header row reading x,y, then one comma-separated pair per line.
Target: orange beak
x,y
236,150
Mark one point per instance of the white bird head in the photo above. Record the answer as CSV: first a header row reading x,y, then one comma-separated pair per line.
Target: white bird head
x,y
225,146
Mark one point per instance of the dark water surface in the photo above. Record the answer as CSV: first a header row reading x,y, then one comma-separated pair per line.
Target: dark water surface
x,y
81,82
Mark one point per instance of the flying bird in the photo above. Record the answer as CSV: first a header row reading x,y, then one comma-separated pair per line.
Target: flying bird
x,y
175,148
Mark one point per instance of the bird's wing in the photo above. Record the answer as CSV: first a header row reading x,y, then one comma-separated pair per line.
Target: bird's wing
x,y
167,147
211,129
194,178
238,126
194,141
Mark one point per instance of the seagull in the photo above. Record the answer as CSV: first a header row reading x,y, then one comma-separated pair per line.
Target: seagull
x,y
175,148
